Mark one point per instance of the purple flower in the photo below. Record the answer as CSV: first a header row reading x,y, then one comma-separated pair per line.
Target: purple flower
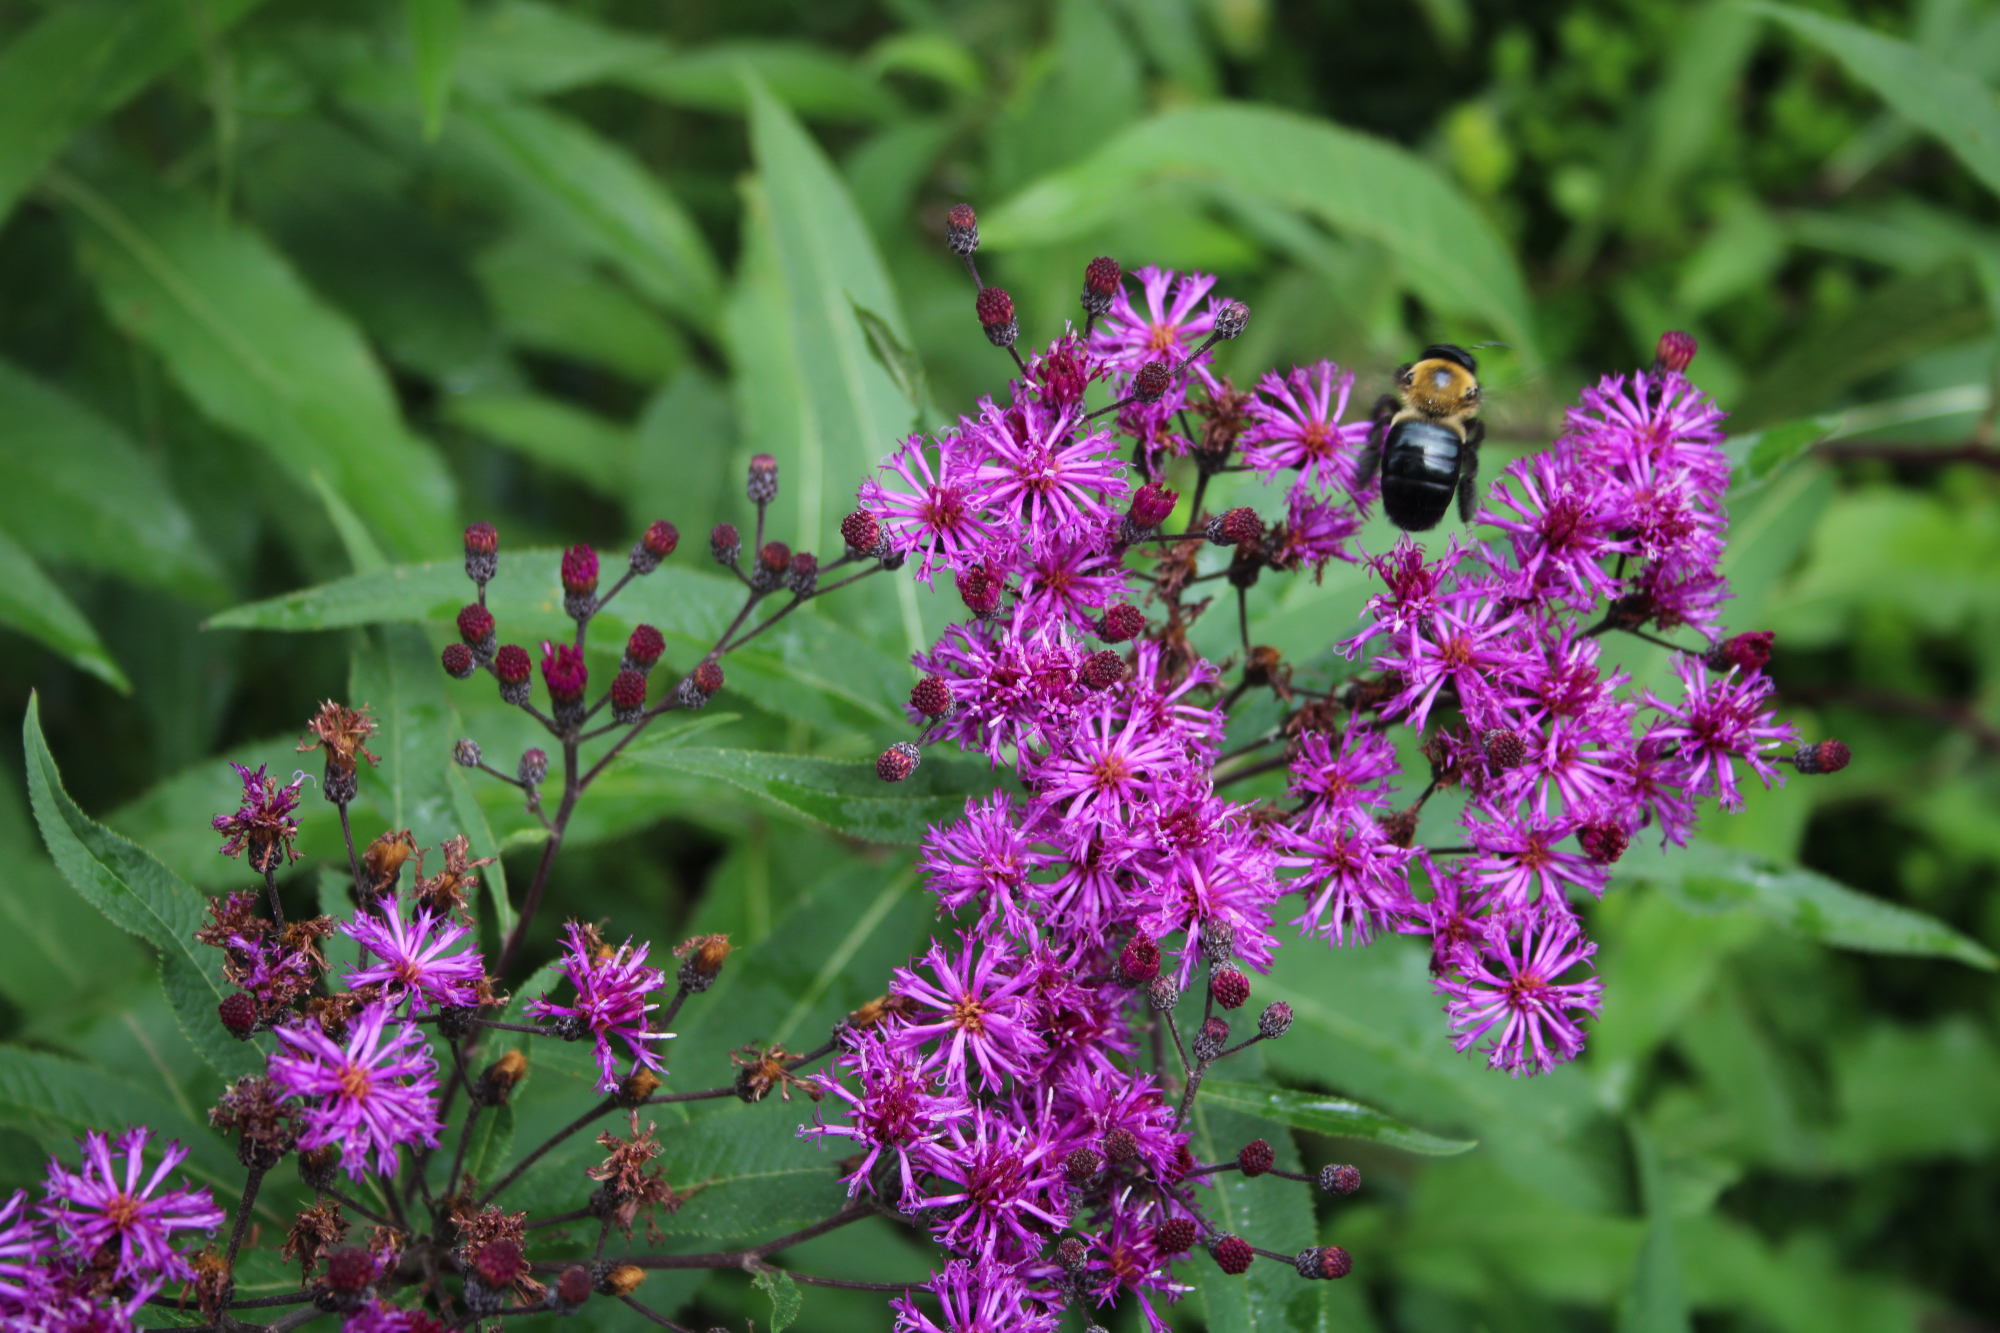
x,y
1043,469
263,823
410,959
1355,878
1003,1185
1108,764
102,1206
897,1108
378,1091
978,1011
978,1298
984,859
376,1317
1168,329
1563,526
1512,992
25,1247
1719,720
1295,424
935,513
611,988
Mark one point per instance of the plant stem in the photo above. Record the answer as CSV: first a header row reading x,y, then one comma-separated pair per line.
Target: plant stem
x,y
251,1181
608,1104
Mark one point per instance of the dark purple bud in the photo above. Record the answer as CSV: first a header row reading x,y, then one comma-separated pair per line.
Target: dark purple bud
x,y
1101,670
533,768
1229,986
931,697
1744,652
628,697
656,545
1504,749
802,575
1827,756
1235,527
1072,1254
1163,994
1256,1159
1139,962
979,589
724,543
1122,1146
1100,285
644,648
1211,1040
1121,622
1275,1021
1152,382
579,570
573,1287
457,660
563,671
482,545
1082,1164
1174,1236
475,626
1674,351
961,230
898,762
466,753
1232,1254
1339,1179
239,1014
996,315
862,532
762,483
1151,504
1602,841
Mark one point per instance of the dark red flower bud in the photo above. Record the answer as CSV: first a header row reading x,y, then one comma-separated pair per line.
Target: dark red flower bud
x,y
1232,1254
996,315
1275,1021
1082,1164
628,697
238,1014
1235,527
1231,318
350,1270
1256,1159
724,543
862,532
482,545
1163,994
499,1263
802,575
475,625
931,697
513,665
1072,1254
1152,382
1151,504
1210,1041
1121,1146
573,1287
1674,351
1121,622
1100,284
961,230
644,647
579,570
762,483
773,559
1139,962
1504,749
1339,1179
1174,1236
1324,1261
979,589
457,660
656,545
1229,986
1827,756
533,768
898,762
701,685
1602,841
1102,670
563,671
1744,652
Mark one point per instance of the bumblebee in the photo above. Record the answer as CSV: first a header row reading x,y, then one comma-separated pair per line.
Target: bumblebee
x,y
1426,439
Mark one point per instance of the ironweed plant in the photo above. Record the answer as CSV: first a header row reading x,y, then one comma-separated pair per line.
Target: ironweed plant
x,y
1023,1091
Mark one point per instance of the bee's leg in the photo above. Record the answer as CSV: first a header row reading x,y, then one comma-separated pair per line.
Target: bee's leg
x,y
1468,471
1371,452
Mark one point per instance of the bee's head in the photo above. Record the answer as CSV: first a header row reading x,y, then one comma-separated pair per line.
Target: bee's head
x,y
1442,383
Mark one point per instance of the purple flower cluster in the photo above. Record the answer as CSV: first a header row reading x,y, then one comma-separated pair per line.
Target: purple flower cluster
x,y
999,1093
102,1240
611,986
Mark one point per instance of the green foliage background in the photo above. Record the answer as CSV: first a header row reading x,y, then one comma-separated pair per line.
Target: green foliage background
x,y
290,289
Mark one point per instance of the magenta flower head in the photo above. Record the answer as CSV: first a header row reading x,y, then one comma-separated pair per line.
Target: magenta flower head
x,y
411,959
263,823
977,1298
579,570
611,988
1513,993
106,1206
25,1246
378,1091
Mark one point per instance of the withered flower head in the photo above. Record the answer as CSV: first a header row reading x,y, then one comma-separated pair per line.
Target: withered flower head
x,y
263,1121
629,1187
212,1285
341,732
263,823
704,955
313,1232
382,863
482,1227
450,888
760,1069
884,1006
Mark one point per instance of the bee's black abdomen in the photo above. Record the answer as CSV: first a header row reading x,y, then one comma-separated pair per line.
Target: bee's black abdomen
x,y
1420,464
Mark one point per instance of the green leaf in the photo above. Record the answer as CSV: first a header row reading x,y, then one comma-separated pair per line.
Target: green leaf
x,y
1655,1302
591,196
536,49
784,1294
1325,1114
752,1173
491,1144
398,676
139,895
843,795
1947,101
561,437
809,80
74,488
551,301
31,603
362,552
261,354
82,62
1451,256
1705,878
829,267
435,30
57,1100
904,365
1764,452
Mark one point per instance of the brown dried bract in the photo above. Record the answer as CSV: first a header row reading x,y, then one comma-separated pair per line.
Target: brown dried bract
x,y
1174,567
1223,418
341,732
760,1069
334,1012
477,1229
212,1285
886,1006
382,863
316,1230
